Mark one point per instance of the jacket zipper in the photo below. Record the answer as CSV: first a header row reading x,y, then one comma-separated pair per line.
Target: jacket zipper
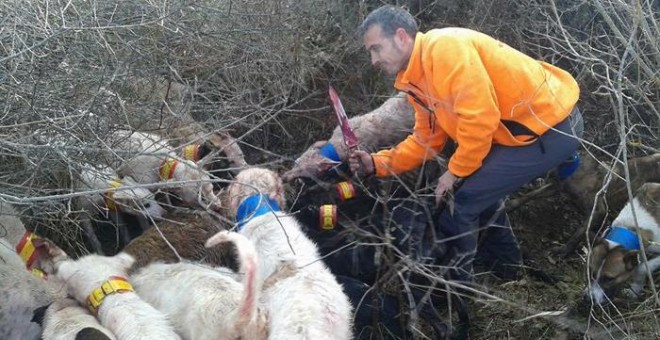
x,y
423,105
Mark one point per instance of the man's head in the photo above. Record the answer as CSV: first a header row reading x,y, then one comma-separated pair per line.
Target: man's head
x,y
388,34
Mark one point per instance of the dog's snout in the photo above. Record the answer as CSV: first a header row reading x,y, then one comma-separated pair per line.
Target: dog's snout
x,y
594,294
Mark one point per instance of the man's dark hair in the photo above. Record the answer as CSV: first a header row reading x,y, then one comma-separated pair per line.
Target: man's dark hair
x,y
389,18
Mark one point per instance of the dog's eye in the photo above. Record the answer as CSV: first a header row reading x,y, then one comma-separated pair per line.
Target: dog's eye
x,y
147,205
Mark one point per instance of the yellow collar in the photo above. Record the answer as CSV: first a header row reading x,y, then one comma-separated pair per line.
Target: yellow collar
x,y
109,196
191,152
114,284
167,168
26,250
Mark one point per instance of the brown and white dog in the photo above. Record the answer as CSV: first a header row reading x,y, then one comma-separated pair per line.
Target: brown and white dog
x,y
308,303
615,258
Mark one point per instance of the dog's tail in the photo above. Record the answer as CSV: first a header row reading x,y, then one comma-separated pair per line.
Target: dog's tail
x,y
247,255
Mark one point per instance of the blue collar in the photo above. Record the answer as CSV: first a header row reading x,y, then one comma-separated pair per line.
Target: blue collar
x,y
329,151
624,237
253,206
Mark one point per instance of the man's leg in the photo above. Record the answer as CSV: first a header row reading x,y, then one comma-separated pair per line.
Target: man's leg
x,y
498,249
503,171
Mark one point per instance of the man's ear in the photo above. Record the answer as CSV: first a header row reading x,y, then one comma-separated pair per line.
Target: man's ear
x,y
401,36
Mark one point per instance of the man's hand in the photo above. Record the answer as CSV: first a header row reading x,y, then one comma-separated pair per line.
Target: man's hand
x,y
359,159
445,184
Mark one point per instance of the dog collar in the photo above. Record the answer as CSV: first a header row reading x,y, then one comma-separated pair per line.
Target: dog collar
x,y
569,166
26,250
328,151
109,196
191,152
166,169
114,284
623,237
29,254
253,206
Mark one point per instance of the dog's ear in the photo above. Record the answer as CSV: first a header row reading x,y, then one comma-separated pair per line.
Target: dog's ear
x,y
50,255
631,260
326,164
125,260
47,248
278,195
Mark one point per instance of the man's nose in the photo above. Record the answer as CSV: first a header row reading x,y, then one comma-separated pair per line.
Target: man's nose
x,y
375,60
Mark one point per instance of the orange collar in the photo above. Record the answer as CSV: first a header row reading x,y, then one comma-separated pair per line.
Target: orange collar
x,y
167,167
190,152
414,69
114,284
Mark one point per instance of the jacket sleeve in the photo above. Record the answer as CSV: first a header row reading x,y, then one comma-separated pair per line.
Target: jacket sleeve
x,y
422,144
474,102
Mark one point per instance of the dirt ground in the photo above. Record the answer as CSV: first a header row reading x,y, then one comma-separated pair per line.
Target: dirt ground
x,y
535,309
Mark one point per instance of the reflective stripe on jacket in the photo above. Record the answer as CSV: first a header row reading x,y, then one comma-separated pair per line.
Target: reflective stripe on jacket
x,y
466,86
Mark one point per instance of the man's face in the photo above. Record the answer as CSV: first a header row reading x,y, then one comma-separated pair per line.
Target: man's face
x,y
386,53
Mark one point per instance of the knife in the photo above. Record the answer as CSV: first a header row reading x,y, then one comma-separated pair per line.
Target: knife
x,y
350,140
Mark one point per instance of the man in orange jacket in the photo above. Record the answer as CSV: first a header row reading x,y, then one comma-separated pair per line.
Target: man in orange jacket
x,y
512,117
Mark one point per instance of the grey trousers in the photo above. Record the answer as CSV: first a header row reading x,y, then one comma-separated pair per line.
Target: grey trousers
x,y
480,198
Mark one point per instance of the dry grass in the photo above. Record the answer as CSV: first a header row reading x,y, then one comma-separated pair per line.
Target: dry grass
x,y
73,71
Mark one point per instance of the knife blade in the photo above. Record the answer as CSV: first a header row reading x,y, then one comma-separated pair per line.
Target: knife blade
x,y
350,139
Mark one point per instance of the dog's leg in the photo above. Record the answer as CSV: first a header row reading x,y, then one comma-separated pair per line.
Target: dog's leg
x,y
124,236
639,278
90,233
578,236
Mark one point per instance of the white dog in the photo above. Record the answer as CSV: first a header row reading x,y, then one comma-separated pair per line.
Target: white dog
x,y
138,202
309,303
383,127
101,283
64,319
149,169
204,303
20,294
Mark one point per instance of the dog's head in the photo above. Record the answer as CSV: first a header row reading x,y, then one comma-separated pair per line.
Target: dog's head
x,y
253,181
310,164
137,201
198,185
83,275
610,266
223,142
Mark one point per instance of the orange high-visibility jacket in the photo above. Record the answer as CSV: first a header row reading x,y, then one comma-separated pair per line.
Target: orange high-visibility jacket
x,y
466,86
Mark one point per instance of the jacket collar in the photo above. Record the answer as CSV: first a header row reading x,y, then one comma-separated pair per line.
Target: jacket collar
x,y
413,71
